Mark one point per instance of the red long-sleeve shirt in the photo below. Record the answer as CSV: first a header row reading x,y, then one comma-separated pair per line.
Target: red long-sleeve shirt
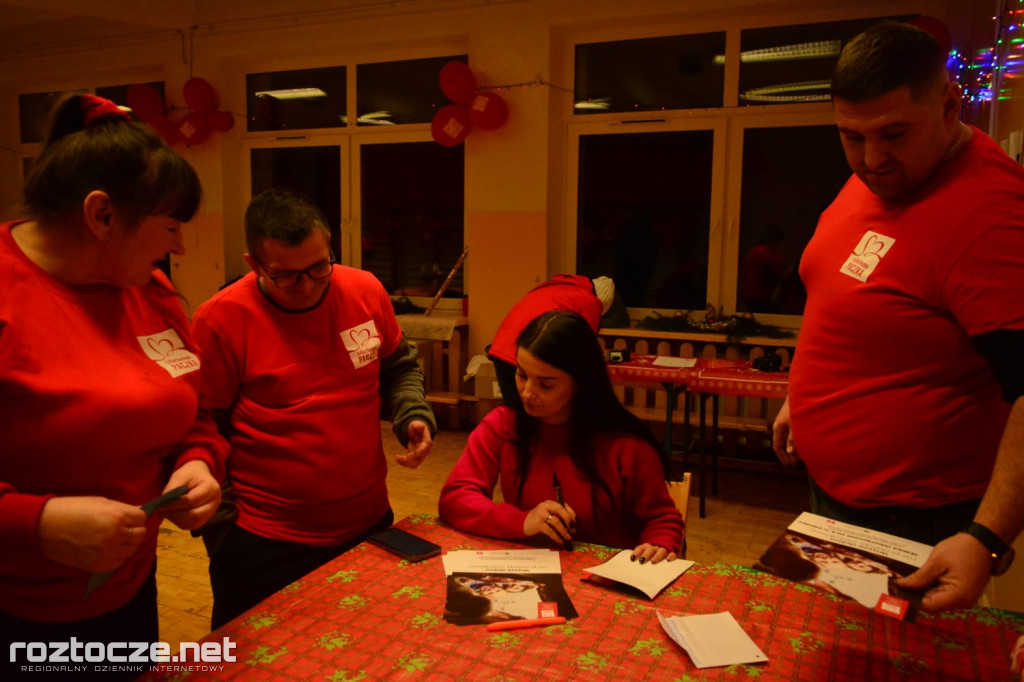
x,y
98,397
642,510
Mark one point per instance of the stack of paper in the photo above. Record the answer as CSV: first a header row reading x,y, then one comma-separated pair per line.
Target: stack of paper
x,y
712,640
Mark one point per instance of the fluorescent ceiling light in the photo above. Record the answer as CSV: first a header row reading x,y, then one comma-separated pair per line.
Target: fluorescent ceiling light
x,y
599,104
785,92
813,50
374,118
293,93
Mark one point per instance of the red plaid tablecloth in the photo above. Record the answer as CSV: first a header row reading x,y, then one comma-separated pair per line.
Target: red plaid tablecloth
x,y
369,616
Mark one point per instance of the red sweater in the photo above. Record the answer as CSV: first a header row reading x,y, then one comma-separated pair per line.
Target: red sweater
x,y
98,396
574,293
307,463
642,510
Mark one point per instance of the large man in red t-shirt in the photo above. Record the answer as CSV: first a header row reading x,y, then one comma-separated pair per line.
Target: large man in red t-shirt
x,y
299,355
905,391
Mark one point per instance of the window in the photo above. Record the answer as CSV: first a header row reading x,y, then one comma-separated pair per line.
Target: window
x,y
718,208
644,209
411,209
404,193
291,100
313,173
787,64
392,93
650,74
33,109
790,175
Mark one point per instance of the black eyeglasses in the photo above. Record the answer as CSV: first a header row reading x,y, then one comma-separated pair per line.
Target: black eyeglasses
x,y
317,272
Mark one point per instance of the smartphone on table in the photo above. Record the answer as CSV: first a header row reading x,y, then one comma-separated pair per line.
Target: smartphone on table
x,y
410,547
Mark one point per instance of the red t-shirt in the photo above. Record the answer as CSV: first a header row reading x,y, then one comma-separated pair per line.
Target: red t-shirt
x,y
641,509
307,464
574,293
98,397
891,403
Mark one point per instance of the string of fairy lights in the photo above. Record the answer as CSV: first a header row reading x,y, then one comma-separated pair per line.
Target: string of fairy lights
x,y
982,74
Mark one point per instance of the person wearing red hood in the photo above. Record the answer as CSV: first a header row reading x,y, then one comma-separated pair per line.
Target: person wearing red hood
x,y
590,298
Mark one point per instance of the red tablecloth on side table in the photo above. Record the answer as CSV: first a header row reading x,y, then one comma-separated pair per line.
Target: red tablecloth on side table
x,y
371,616
740,381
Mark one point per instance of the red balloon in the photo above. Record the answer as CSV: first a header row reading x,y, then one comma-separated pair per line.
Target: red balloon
x,y
488,111
221,121
457,82
145,102
937,28
451,125
166,129
194,128
199,95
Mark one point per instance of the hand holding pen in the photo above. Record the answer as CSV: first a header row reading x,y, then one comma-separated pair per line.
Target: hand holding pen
x,y
553,518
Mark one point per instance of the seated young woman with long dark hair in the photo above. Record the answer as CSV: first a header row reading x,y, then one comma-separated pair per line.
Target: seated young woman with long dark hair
x,y
573,432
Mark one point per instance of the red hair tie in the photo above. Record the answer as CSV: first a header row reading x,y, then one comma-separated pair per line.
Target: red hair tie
x,y
95,108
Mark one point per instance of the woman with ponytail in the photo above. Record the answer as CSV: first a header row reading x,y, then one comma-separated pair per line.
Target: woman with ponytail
x,y
99,410
573,462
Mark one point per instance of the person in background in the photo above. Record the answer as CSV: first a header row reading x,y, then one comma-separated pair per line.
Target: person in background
x,y
905,389
299,357
762,272
569,430
99,383
575,293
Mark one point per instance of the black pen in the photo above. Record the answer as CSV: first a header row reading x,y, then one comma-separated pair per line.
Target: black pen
x,y
559,500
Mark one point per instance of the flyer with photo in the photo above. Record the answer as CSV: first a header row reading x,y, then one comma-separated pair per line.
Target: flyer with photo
x,y
849,561
500,585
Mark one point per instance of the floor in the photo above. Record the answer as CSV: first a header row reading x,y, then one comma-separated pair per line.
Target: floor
x,y
750,511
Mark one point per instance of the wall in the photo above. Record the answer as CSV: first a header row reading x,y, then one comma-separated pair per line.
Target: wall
x,y
514,194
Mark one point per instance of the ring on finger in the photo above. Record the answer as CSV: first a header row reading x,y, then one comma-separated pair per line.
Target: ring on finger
x,y
548,520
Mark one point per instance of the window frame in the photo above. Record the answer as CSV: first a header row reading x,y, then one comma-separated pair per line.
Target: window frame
x,y
587,126
349,138
734,117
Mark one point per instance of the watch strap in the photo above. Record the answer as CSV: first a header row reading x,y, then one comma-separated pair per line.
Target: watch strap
x,y
992,542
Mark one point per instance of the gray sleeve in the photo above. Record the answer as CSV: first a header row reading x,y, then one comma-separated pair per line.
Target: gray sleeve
x,y
401,391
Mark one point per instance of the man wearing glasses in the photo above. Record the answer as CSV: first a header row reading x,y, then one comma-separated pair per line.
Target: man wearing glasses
x,y
299,356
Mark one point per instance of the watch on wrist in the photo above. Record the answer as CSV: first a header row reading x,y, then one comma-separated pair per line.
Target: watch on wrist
x,y
1002,553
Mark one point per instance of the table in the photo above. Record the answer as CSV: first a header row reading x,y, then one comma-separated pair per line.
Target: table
x,y
640,371
438,337
702,378
735,379
369,615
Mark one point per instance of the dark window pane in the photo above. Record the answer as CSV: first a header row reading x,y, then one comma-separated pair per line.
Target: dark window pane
x,y
291,100
643,211
787,64
33,110
651,74
412,205
400,92
118,94
790,175
311,172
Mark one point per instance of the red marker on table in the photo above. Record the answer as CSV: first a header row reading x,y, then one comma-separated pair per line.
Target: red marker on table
x,y
524,623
